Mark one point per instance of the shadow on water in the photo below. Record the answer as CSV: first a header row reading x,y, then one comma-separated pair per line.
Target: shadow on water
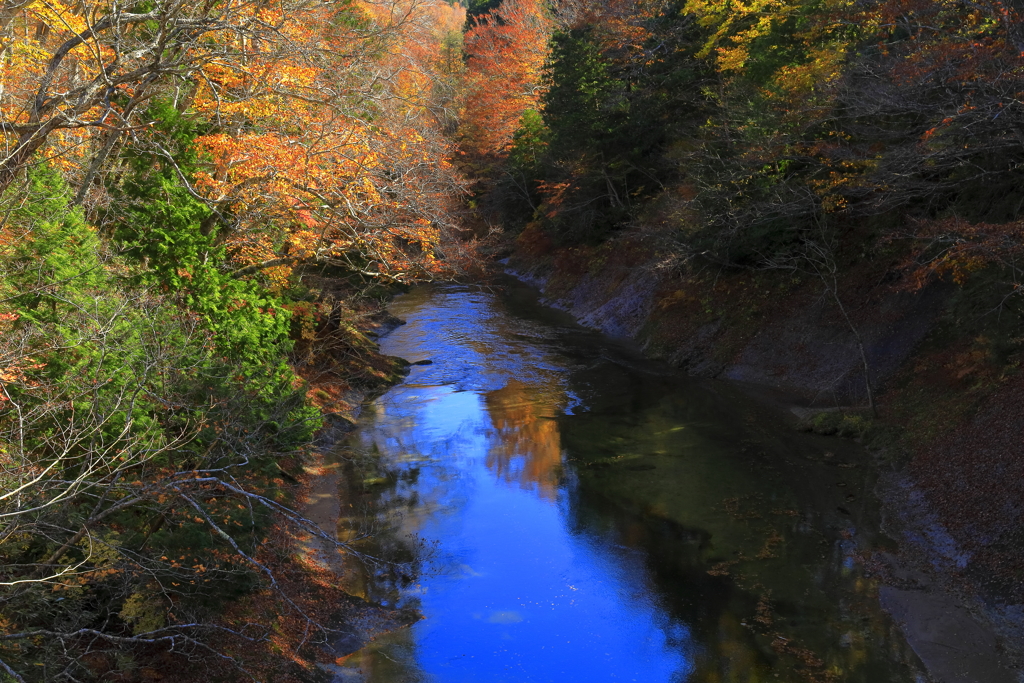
x,y
559,509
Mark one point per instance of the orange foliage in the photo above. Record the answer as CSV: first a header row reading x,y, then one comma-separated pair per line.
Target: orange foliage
x,y
329,173
507,49
322,144
956,249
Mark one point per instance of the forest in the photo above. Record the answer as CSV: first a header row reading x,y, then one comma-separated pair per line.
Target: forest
x,y
204,205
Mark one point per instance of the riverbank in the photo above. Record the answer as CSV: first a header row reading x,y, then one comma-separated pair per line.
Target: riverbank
x,y
317,612
953,582
345,369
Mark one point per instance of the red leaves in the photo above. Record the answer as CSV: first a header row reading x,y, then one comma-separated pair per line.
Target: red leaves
x,y
954,248
507,49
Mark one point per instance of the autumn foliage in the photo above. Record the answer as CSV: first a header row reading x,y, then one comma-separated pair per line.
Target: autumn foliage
x,y
319,143
190,190
195,199
772,117
506,52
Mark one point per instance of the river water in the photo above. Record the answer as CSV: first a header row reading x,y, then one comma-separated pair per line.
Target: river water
x,y
556,508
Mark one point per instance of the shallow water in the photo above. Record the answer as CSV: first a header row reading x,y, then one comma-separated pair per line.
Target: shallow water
x,y
559,509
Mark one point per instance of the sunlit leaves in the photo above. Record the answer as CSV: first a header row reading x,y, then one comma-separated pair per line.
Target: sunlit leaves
x,y
328,152
507,51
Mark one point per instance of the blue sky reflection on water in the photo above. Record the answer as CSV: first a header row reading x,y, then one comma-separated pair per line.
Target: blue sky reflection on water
x,y
561,510
515,594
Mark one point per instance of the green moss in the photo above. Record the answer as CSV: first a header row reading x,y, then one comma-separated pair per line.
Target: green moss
x,y
837,423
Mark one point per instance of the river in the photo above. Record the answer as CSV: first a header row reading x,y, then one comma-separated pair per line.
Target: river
x,y
557,508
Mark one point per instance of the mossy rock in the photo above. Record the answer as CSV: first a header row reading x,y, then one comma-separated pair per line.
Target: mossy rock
x,y
837,423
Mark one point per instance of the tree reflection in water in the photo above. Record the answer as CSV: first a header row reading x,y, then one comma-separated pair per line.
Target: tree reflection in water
x,y
592,520
526,447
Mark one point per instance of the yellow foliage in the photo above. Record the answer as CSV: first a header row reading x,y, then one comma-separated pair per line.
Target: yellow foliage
x,y
144,612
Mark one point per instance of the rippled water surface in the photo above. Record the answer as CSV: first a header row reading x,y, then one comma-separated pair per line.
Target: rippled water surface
x,y
558,509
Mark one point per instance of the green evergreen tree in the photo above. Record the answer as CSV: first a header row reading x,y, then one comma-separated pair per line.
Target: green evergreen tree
x,y
161,224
